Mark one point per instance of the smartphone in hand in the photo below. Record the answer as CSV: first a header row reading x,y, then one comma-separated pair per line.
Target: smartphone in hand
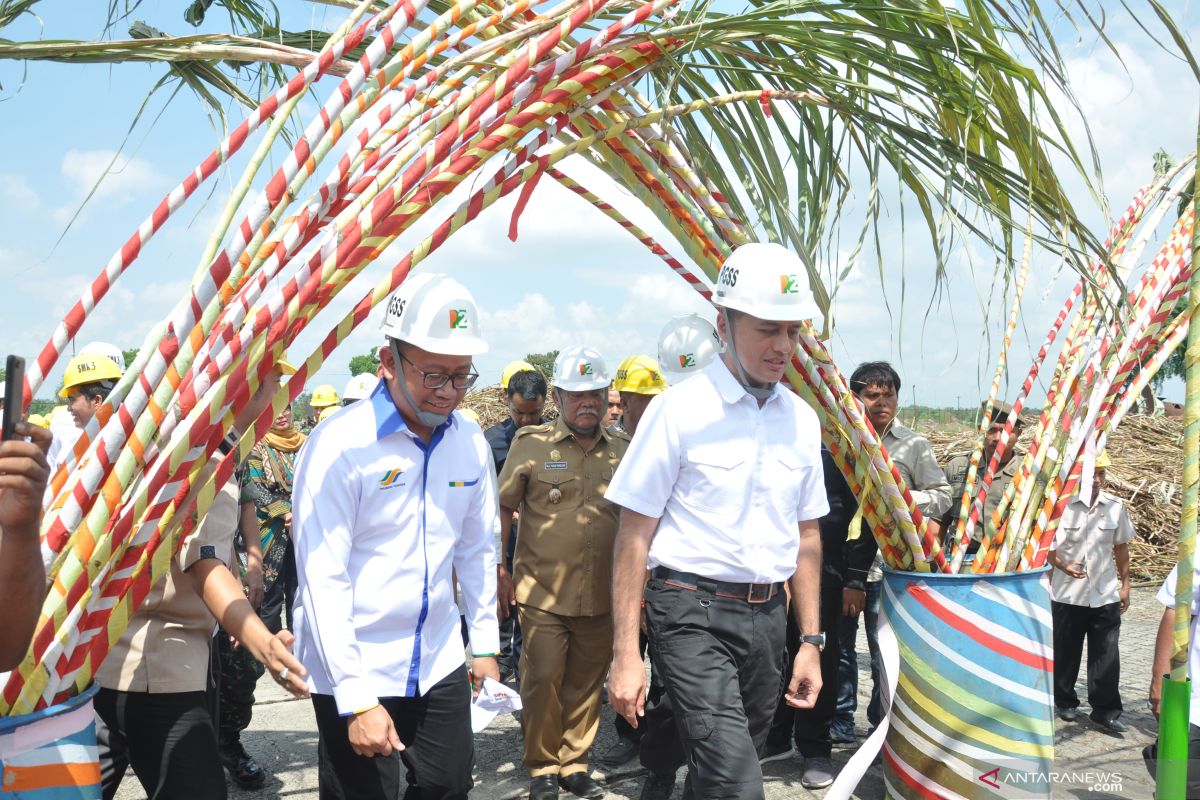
x,y
14,395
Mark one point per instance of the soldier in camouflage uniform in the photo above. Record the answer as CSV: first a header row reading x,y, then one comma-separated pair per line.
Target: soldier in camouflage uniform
x,y
268,566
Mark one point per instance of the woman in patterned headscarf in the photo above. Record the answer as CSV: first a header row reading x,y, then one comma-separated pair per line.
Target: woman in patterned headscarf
x,y
264,545
267,509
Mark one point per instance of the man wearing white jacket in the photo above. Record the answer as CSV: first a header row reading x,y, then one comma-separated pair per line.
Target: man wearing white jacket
x,y
392,497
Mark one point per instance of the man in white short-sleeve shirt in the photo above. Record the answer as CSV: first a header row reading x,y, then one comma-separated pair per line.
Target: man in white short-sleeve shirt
x,y
1089,591
721,491
1164,646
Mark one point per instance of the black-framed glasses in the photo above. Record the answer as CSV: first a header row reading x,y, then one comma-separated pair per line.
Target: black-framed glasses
x,y
436,380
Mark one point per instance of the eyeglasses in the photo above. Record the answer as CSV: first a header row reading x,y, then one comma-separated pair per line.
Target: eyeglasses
x,y
436,380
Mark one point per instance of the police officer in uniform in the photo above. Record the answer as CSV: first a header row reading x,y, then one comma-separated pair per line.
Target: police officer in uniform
x,y
556,476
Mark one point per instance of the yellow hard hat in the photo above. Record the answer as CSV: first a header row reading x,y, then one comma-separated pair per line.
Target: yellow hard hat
x,y
324,395
87,369
512,368
39,420
640,375
1103,461
285,367
326,413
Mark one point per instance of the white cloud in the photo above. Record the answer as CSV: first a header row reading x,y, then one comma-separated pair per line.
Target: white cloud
x,y
123,177
16,193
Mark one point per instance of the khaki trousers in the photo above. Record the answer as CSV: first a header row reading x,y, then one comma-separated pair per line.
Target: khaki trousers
x,y
563,664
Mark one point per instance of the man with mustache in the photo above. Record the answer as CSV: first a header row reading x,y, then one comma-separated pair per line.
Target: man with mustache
x,y
556,476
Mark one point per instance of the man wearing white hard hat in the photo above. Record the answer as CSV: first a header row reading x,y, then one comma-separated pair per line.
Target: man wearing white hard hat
x,y
686,346
393,496
721,491
359,388
556,476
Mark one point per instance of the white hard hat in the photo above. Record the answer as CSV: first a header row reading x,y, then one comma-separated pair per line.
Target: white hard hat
x,y
766,281
580,369
435,313
109,351
359,387
687,345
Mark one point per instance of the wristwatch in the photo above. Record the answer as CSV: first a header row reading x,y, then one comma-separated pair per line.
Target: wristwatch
x,y
813,638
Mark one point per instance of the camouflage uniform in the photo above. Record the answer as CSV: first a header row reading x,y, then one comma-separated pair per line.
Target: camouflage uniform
x,y
266,482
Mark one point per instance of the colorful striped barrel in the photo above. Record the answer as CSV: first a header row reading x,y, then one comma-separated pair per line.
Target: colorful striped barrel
x,y
51,754
973,711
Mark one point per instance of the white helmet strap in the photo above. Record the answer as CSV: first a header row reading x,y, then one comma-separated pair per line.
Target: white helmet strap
x,y
757,392
427,418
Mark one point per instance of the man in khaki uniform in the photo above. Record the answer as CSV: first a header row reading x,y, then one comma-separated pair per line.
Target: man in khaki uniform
x,y
956,475
556,476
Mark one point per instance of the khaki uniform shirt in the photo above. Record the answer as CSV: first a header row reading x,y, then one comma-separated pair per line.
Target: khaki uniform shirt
x,y
956,473
165,647
563,560
1089,534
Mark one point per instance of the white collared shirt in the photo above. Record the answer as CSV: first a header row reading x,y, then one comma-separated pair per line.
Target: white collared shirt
x,y
1166,596
729,481
380,520
1088,534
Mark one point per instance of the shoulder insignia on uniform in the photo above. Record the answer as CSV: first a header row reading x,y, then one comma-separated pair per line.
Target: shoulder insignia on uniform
x,y
530,429
208,551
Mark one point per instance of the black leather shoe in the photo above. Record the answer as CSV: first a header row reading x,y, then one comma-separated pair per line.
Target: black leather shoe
x,y
1068,713
581,785
243,769
1113,724
620,753
658,787
544,787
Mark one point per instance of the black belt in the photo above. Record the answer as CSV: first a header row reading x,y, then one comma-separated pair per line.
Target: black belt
x,y
750,592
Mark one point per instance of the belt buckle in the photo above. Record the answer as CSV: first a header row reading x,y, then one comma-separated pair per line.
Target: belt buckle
x,y
758,593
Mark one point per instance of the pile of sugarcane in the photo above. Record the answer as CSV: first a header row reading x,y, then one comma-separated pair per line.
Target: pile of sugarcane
x,y
1147,453
488,99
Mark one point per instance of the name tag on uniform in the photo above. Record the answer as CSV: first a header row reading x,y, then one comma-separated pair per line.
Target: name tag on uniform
x,y
554,465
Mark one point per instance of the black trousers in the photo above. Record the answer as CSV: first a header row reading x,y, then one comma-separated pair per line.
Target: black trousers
x,y
438,755
510,628
1102,628
659,747
168,739
624,729
721,661
810,726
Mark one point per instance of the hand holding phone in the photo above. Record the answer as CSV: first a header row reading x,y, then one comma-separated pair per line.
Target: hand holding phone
x,y
14,396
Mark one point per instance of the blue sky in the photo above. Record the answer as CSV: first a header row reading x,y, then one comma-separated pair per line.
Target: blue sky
x,y
573,276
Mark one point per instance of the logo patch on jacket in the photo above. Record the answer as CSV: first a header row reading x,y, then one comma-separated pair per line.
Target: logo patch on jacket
x,y
390,478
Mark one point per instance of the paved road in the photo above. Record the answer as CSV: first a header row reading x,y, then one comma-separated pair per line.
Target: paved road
x,y
283,738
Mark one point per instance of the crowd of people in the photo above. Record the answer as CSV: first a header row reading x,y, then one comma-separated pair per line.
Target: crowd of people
x,y
680,507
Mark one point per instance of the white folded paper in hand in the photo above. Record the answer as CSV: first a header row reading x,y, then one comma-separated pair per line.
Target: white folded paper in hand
x,y
494,697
